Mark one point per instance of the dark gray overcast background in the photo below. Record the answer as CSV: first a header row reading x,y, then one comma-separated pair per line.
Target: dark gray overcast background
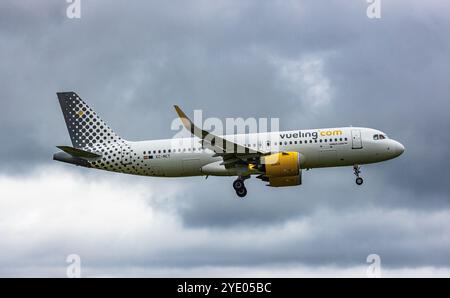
x,y
309,63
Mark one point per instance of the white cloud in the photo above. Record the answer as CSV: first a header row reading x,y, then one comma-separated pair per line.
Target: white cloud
x,y
124,226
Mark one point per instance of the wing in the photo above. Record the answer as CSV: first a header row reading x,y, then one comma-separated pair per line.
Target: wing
x,y
231,152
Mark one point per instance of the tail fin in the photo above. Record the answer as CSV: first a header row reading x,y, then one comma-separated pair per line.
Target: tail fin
x,y
86,129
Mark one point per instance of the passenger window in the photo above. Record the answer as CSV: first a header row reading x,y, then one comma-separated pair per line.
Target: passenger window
x,y
315,141
326,140
300,142
144,152
159,151
290,142
164,151
295,142
320,140
310,141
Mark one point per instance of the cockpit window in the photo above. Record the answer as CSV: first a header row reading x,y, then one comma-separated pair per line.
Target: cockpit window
x,y
379,137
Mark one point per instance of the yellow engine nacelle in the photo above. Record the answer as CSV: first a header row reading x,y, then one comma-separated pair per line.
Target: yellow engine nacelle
x,y
282,169
285,181
281,164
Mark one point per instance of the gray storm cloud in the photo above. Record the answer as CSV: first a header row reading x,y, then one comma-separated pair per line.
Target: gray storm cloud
x,y
310,64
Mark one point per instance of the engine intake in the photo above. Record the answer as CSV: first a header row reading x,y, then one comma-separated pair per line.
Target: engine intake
x,y
282,169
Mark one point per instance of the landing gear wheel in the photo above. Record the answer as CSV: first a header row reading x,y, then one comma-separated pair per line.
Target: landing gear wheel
x,y
357,171
359,180
238,184
241,192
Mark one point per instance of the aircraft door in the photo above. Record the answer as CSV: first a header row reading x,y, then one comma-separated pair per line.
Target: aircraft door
x,y
356,139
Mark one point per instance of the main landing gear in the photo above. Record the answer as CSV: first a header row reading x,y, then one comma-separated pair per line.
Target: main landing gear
x,y
357,171
239,186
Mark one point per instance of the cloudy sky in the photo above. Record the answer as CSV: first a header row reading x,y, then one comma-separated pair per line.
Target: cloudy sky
x,y
310,63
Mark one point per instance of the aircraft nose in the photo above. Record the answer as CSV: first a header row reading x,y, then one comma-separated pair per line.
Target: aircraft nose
x,y
399,148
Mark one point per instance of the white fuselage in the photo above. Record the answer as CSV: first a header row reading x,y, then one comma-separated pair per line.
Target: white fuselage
x,y
329,147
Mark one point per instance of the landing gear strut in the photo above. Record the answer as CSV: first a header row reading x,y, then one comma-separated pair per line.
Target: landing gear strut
x,y
357,171
239,186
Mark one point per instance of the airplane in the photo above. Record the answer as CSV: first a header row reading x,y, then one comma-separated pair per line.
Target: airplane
x,y
277,158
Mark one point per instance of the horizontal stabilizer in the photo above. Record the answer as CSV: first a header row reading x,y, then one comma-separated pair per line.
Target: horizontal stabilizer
x,y
75,152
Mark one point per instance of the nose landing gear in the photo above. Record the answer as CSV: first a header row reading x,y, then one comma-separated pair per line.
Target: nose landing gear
x,y
357,171
239,186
